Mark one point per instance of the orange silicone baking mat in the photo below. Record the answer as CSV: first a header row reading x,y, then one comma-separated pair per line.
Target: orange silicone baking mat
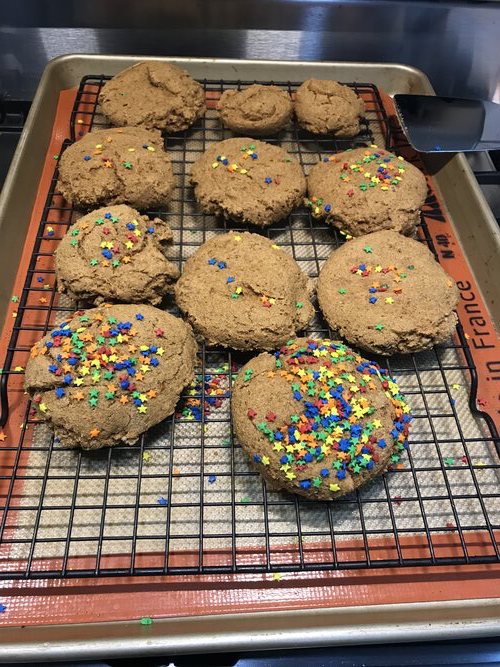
x,y
64,513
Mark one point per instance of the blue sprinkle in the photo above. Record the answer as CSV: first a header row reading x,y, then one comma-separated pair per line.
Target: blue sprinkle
x,y
328,208
139,317
221,265
137,401
268,180
107,253
308,457
108,216
72,361
230,279
305,483
372,290
2,608
130,226
325,159
52,368
341,474
212,261
257,458
151,230
153,348
254,156
87,158
373,299
162,501
284,459
60,392
68,379
212,479
297,395
225,162
278,435
382,444
324,472
154,361
39,279
124,384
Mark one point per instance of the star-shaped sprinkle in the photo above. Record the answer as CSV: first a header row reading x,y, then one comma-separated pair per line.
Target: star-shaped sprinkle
x,y
277,576
162,501
368,248
379,327
127,165
2,436
212,479
342,290
94,432
449,461
94,262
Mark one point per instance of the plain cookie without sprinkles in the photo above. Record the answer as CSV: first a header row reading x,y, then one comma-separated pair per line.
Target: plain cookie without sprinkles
x,y
256,110
154,95
248,181
365,190
108,374
115,254
318,420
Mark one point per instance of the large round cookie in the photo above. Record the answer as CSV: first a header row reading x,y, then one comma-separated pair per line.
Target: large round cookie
x,y
386,293
154,95
248,180
117,166
328,107
256,110
115,254
108,374
242,291
317,419
365,190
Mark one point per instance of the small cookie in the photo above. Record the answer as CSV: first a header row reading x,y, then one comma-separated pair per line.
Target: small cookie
x,y
248,180
328,107
256,110
244,292
154,95
317,419
386,293
365,190
108,374
117,166
115,254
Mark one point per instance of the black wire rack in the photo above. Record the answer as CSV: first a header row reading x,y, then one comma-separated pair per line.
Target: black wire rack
x,y
184,500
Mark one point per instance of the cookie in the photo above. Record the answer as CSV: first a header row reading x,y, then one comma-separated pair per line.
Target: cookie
x,y
108,374
248,181
243,291
256,110
317,419
387,294
365,190
118,166
328,107
115,254
154,95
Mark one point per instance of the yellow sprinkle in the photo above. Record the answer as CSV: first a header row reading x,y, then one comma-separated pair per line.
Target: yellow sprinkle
x,y
131,150
275,247
334,487
400,158
238,290
151,148
19,369
215,165
277,576
146,456
237,238
243,171
373,146
455,386
98,145
384,187
367,174
80,121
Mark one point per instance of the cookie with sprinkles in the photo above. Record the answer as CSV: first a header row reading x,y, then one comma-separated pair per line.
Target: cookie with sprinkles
x,y
386,293
328,107
365,190
154,95
318,420
115,254
256,110
125,165
108,374
248,181
242,291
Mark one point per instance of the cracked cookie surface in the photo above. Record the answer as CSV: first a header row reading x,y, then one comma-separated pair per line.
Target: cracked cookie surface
x,y
328,107
106,375
242,291
387,294
248,181
117,166
256,110
115,254
154,95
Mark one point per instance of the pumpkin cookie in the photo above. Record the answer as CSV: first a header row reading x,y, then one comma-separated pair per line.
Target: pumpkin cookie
x,y
386,293
317,419
118,166
115,254
256,110
244,292
248,181
154,95
365,190
328,107
108,374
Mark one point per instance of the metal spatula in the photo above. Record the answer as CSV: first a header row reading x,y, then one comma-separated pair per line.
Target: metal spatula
x,y
449,124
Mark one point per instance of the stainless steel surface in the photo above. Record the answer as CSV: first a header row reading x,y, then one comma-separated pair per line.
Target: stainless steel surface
x,y
394,623
434,124
455,43
379,624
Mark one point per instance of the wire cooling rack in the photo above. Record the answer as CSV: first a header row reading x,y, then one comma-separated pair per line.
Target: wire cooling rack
x,y
184,500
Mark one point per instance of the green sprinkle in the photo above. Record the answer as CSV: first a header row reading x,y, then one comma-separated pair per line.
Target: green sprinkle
x,y
379,327
73,242
299,304
368,248
146,620
342,290
94,262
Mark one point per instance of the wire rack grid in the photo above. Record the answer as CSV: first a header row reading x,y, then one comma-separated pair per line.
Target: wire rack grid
x,y
184,499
